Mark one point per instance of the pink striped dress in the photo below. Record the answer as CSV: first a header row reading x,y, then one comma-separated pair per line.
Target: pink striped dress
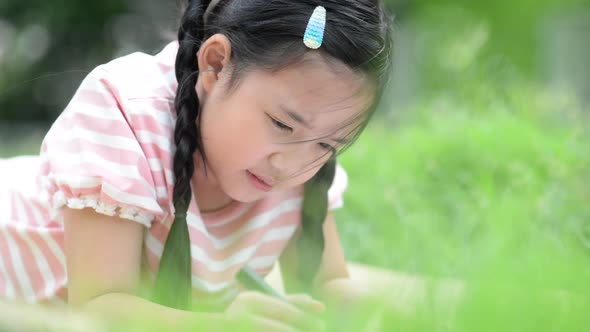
x,y
111,150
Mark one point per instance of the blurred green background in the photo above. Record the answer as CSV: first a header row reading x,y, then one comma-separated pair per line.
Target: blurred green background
x,y
477,167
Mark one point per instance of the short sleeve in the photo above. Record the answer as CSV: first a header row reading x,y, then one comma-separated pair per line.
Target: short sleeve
x,y
91,158
336,191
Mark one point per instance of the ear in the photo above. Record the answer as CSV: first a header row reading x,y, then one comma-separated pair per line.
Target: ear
x,y
213,56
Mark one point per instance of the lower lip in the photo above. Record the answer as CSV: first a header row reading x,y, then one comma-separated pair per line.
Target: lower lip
x,y
258,183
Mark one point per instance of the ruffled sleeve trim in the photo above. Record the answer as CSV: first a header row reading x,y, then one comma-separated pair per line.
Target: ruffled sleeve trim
x,y
93,201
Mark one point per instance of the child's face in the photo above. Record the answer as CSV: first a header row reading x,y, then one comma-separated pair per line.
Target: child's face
x,y
242,141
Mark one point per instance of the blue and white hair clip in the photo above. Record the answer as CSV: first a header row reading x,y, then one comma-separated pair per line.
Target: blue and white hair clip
x,y
314,33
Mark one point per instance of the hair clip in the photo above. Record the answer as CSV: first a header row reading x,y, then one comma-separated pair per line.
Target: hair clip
x,y
314,33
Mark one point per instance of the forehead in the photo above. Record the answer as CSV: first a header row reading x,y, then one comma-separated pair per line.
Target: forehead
x,y
327,94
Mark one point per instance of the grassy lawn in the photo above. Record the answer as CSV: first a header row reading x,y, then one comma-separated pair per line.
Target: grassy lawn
x,y
443,194
494,196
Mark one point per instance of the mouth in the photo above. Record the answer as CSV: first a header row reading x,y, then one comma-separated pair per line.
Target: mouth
x,y
260,184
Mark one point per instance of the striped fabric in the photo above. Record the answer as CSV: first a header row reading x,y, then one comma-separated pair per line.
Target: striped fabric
x,y
111,150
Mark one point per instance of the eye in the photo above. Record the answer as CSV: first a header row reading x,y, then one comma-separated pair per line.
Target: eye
x,y
280,125
327,147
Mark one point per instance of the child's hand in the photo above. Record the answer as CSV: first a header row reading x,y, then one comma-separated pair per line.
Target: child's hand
x,y
261,312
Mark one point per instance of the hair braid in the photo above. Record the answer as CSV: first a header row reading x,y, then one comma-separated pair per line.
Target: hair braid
x,y
173,283
310,246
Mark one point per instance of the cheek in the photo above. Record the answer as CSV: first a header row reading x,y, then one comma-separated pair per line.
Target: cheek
x,y
233,138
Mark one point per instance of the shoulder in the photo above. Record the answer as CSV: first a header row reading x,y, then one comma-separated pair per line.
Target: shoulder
x,y
140,75
131,98
138,89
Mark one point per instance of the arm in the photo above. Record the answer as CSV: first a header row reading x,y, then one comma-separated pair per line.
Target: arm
x,y
376,291
333,266
103,256
332,284
103,260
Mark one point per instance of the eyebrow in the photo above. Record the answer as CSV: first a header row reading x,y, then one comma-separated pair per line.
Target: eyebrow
x,y
301,120
295,116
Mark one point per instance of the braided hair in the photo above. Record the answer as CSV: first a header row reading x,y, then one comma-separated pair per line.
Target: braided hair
x,y
264,34
173,283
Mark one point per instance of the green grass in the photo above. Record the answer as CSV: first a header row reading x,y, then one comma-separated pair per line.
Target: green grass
x,y
436,195
493,195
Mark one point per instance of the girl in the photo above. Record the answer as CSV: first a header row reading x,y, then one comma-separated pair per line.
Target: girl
x,y
185,167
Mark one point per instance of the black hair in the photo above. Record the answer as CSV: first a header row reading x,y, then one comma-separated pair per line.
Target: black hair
x,y
266,34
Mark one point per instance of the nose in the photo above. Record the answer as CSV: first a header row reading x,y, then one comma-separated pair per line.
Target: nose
x,y
293,160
